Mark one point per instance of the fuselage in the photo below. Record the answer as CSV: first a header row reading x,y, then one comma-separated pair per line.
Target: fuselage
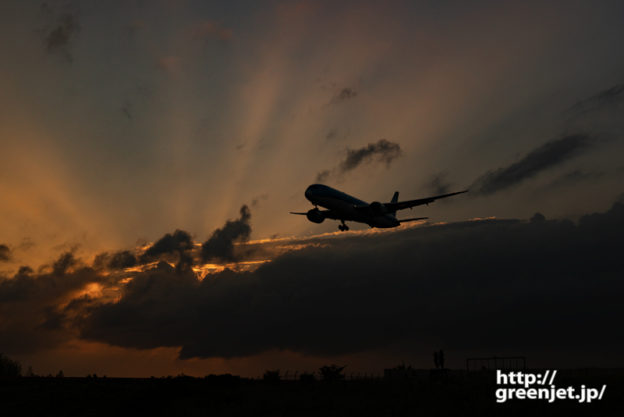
x,y
343,206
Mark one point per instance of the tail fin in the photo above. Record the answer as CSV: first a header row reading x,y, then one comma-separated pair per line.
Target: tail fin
x,y
395,198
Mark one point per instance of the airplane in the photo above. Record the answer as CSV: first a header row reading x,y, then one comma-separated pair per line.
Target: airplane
x,y
343,207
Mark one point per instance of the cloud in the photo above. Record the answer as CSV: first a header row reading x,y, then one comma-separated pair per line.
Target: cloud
x,y
597,114
32,305
610,97
5,253
41,310
59,38
180,248
323,175
179,244
345,94
337,134
122,259
63,263
486,286
220,246
255,202
477,286
546,156
169,243
24,270
574,177
438,184
382,151
118,260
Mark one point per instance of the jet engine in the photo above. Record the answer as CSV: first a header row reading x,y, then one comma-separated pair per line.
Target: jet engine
x,y
377,208
315,215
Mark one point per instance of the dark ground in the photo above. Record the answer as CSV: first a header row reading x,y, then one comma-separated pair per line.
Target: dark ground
x,y
452,393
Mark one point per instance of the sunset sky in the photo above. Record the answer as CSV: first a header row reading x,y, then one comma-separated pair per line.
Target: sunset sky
x,y
150,152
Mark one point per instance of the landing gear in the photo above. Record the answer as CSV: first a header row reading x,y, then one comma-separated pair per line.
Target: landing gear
x,y
343,227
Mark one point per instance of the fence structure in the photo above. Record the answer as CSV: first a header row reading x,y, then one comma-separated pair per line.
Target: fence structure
x,y
507,363
294,375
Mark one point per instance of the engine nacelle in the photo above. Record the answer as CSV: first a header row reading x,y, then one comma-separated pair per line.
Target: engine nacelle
x,y
315,215
377,208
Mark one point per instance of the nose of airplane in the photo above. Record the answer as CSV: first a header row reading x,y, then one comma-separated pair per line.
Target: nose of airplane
x,y
309,192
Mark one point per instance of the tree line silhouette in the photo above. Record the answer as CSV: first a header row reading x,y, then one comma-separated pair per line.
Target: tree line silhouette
x,y
10,368
328,373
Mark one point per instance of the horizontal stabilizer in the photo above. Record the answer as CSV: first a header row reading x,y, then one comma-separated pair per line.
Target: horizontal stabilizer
x,y
413,219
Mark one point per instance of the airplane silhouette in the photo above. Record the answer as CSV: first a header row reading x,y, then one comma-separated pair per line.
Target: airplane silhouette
x,y
342,206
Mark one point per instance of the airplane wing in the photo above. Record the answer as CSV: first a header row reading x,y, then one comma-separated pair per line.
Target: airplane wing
x,y
413,219
413,203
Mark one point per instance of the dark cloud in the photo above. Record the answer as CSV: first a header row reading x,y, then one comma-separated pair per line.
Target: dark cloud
x,y
24,270
63,263
382,151
337,134
255,202
220,245
43,309
169,243
574,177
323,175
122,259
613,96
345,94
543,286
179,247
546,286
159,284
31,314
438,184
179,244
118,260
59,38
5,253
544,157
